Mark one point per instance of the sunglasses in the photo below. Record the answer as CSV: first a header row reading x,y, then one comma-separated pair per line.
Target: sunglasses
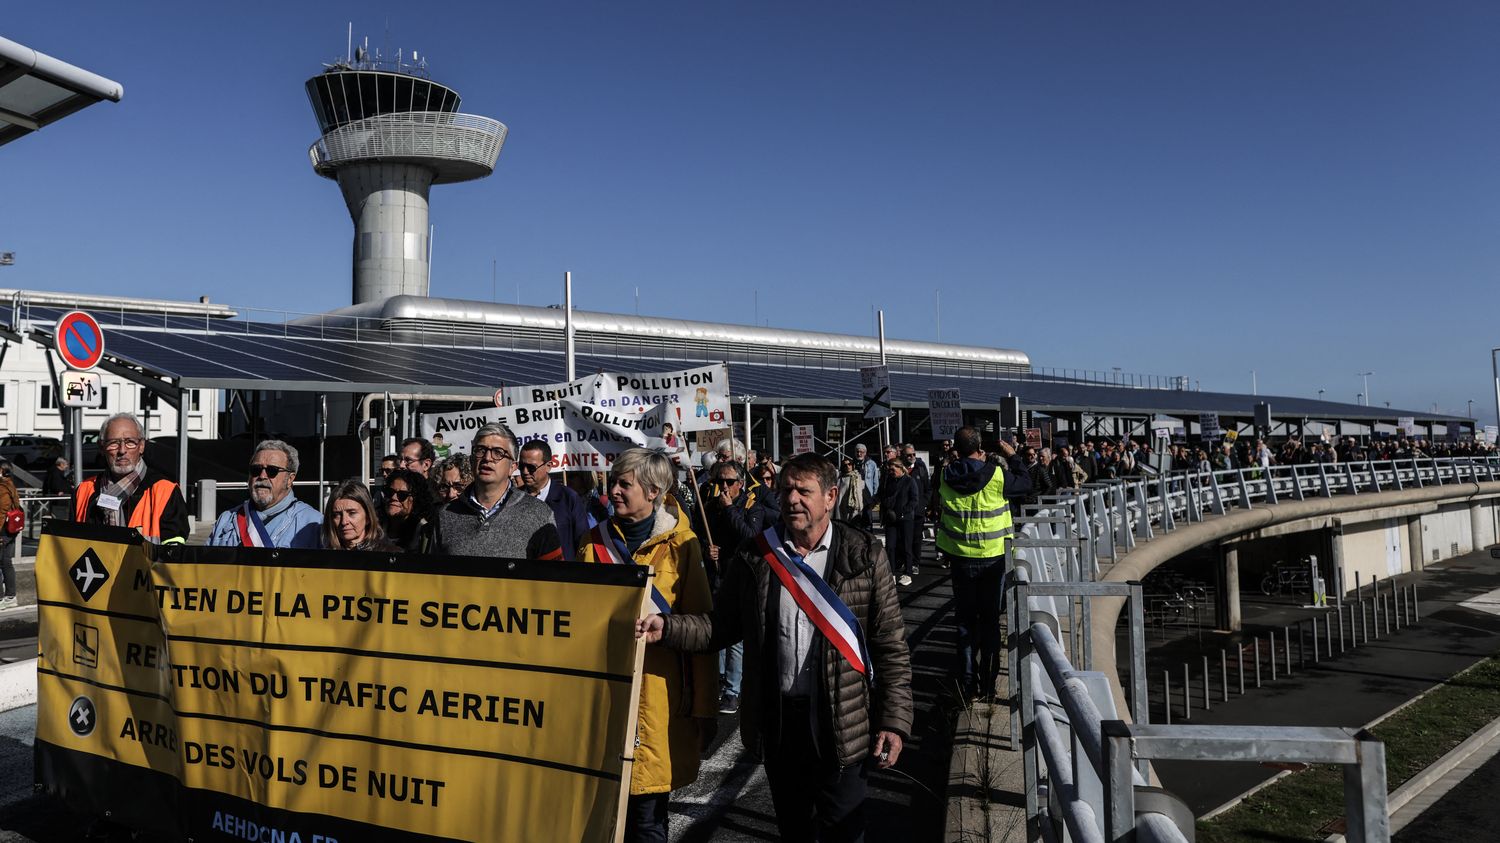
x,y
527,468
400,494
271,471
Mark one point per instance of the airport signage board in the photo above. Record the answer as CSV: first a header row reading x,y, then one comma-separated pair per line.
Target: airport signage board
x,y
946,411
485,700
79,341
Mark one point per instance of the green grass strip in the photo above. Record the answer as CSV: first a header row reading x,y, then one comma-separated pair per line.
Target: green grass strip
x,y
1303,805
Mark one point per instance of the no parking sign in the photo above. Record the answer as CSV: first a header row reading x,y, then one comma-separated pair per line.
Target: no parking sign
x,y
79,341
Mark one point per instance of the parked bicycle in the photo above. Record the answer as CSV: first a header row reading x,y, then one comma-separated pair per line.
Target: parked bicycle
x,y
1287,578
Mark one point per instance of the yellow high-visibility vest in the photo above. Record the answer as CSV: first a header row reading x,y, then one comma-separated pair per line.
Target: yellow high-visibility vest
x,y
977,525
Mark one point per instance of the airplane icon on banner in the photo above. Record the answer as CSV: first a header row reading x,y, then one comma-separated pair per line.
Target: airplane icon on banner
x,y
89,574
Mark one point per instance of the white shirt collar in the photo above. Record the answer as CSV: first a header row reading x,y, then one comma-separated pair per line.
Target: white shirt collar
x,y
822,545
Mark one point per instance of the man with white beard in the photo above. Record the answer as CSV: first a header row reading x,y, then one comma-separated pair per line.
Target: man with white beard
x,y
131,494
272,517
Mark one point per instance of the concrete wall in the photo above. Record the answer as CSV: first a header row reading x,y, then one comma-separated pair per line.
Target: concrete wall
x,y
1447,533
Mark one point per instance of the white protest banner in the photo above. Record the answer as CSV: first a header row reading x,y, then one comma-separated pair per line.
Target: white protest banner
x,y
580,435
1491,433
696,399
1407,425
946,412
802,439
875,386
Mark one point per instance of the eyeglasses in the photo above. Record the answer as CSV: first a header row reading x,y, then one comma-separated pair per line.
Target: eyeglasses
x,y
386,472
496,453
405,461
528,468
122,444
444,488
271,471
400,494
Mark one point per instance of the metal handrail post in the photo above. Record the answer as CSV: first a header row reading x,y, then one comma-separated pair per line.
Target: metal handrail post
x,y
1366,808
1244,490
1119,782
1143,518
1217,504
1024,646
1323,479
1352,486
1374,477
1123,536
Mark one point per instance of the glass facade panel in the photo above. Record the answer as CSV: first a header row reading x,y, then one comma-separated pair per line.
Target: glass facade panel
x,y
403,93
342,97
369,102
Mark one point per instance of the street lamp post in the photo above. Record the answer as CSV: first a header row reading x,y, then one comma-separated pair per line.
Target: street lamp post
x,y
1320,395
1366,393
1496,375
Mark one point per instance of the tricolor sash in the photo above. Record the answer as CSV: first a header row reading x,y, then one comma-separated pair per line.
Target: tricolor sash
x,y
252,531
817,599
611,550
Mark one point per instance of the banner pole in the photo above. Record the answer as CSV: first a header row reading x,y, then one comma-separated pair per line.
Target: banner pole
x,y
885,423
627,752
702,505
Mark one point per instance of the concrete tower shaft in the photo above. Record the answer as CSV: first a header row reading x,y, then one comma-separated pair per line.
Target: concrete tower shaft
x,y
388,136
388,203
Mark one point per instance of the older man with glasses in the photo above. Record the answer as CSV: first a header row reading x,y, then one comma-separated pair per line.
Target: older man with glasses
x,y
494,518
132,494
271,516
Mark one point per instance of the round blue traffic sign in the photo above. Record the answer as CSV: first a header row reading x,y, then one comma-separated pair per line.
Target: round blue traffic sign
x,y
79,341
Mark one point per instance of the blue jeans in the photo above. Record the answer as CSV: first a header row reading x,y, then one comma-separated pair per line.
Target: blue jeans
x,y
731,668
977,595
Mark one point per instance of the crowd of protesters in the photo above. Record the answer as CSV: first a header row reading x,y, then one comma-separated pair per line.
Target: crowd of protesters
x,y
710,537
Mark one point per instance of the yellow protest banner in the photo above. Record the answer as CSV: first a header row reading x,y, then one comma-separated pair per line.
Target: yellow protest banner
x,y
259,694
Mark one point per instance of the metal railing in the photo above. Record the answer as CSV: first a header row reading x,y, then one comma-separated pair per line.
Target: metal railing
x,y
1086,772
440,137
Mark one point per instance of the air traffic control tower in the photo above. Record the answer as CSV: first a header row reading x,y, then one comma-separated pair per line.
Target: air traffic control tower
x,y
389,134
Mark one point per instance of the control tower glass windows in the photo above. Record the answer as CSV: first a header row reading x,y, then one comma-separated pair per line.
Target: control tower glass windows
x,y
343,96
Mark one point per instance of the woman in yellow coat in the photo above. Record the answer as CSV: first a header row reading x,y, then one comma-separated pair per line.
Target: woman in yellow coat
x,y
679,691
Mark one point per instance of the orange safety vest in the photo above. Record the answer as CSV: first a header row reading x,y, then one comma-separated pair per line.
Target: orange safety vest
x,y
146,516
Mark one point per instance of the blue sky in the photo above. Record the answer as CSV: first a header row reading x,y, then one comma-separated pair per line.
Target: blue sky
x,y
1308,190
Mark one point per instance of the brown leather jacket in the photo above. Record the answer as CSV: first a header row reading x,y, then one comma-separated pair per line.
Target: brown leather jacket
x,y
852,708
